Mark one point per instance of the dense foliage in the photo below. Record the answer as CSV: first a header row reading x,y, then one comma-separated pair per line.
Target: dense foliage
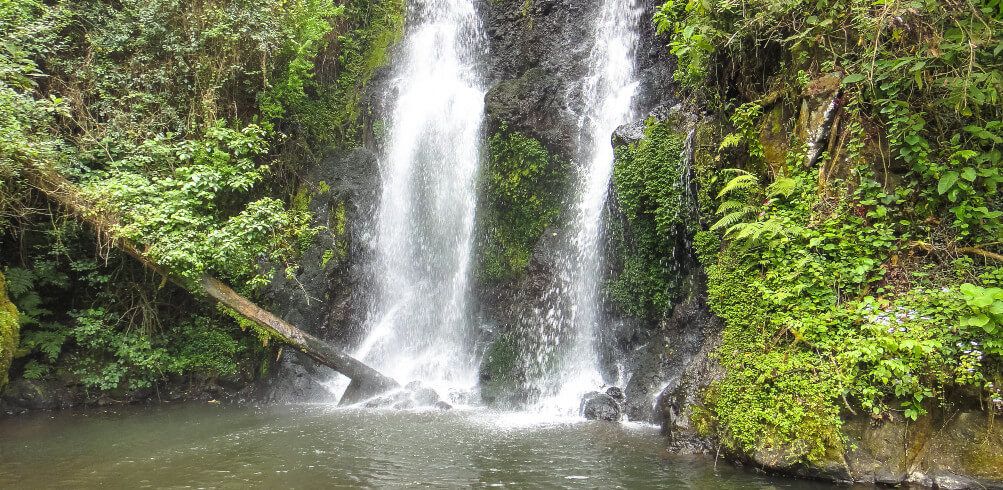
x,y
9,329
186,125
862,275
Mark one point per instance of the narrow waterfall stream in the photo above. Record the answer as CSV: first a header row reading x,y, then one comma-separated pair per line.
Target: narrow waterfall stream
x,y
605,103
418,318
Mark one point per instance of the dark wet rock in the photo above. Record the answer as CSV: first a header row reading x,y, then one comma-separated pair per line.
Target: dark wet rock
x,y
670,371
325,297
400,399
629,133
537,62
25,394
950,481
379,402
405,404
956,450
459,397
615,393
441,405
597,405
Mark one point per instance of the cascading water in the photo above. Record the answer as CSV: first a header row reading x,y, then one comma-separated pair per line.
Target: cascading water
x,y
418,316
574,315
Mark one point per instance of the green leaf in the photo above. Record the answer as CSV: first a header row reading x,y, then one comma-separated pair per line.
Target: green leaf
x,y
854,78
979,320
969,174
946,182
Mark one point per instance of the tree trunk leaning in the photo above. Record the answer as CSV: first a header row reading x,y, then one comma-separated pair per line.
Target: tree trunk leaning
x,y
366,381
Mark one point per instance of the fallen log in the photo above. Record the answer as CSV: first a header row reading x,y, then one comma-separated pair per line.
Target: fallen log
x,y
366,381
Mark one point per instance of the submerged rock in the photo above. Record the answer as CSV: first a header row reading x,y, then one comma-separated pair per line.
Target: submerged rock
x,y
600,406
441,405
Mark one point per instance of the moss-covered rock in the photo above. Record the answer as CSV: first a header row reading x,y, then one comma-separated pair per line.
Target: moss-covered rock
x,y
521,198
9,330
647,182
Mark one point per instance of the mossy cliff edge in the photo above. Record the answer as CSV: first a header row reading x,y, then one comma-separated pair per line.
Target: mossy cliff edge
x,y
8,331
847,220
796,379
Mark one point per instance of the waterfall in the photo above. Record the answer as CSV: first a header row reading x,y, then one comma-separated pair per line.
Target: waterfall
x,y
568,359
418,318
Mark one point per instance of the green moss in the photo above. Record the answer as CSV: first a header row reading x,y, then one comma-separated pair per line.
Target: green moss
x,y
646,180
372,28
521,199
9,329
338,227
772,399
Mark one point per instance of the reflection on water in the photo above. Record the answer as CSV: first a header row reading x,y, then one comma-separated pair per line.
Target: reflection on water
x,y
315,446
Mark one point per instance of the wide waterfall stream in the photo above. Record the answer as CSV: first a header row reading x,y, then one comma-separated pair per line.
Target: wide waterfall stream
x,y
418,317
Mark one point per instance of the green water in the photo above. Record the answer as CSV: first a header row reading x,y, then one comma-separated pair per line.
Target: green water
x,y
317,446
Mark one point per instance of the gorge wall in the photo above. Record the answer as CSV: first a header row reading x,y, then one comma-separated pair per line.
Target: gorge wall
x,y
800,245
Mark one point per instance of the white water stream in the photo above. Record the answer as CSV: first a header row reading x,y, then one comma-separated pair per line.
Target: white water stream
x,y
418,320
606,102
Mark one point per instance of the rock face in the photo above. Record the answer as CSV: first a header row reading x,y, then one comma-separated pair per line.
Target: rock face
x,y
961,448
956,450
597,405
414,395
673,368
537,60
325,297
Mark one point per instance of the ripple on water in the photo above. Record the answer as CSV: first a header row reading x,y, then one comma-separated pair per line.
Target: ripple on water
x,y
316,446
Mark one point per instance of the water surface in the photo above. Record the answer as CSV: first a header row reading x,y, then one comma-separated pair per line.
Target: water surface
x,y
317,446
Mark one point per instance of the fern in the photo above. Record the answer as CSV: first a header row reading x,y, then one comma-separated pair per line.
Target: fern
x,y
782,187
730,220
735,205
48,341
744,181
19,281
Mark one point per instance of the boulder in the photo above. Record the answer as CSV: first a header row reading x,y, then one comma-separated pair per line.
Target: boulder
x,y
597,405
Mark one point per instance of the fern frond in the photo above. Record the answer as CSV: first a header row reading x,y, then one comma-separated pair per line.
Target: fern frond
x,y
732,205
738,229
730,140
741,182
757,231
770,229
730,220
781,187
19,281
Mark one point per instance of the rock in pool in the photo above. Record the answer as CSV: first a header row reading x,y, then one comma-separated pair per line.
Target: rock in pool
x,y
600,406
